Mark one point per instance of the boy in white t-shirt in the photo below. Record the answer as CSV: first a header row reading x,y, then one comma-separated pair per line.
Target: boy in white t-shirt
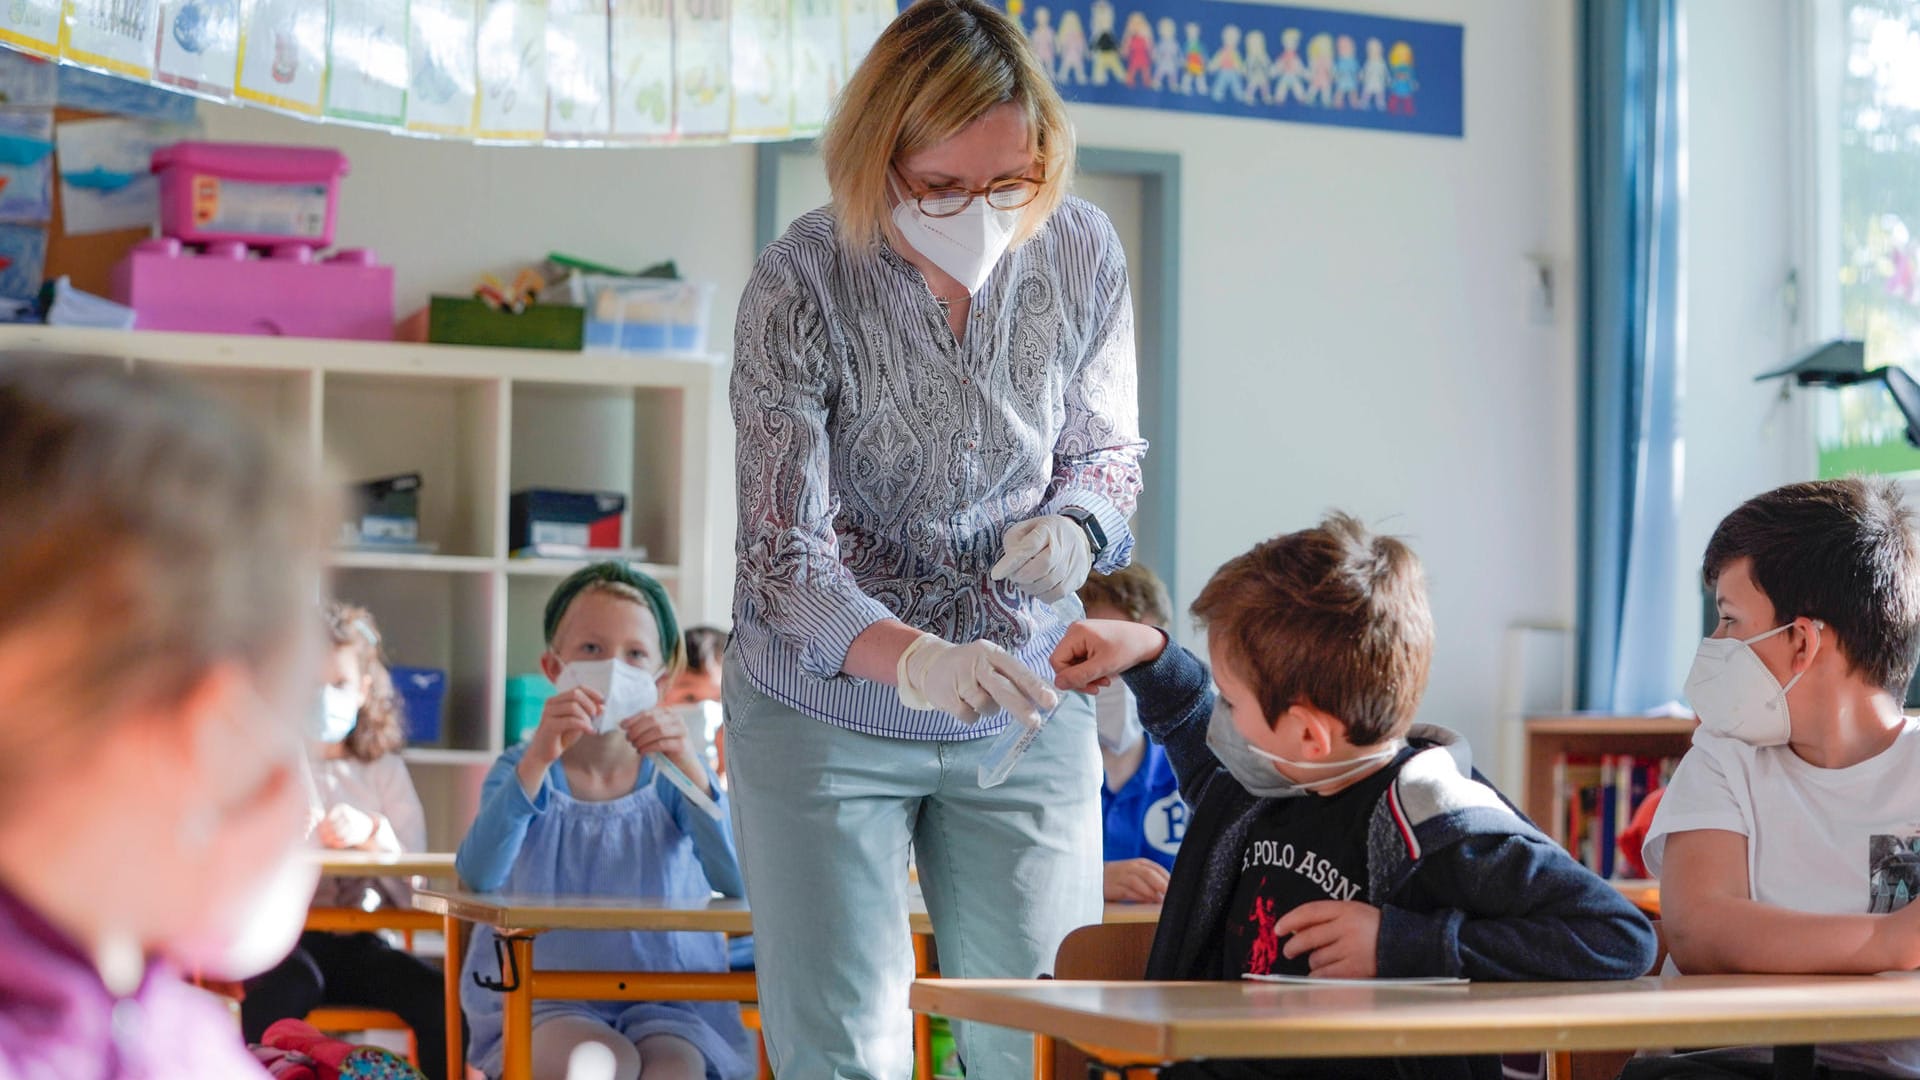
x,y
1789,839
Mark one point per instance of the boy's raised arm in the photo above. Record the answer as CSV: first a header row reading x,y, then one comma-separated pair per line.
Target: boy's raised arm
x,y
1171,686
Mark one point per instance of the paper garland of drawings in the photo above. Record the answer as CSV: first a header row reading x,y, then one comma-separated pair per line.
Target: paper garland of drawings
x,y
571,72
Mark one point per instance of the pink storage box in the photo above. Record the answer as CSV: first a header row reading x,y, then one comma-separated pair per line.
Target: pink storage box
x,y
257,195
226,290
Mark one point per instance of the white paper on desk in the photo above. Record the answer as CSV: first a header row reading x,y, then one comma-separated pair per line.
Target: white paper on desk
x,y
1309,980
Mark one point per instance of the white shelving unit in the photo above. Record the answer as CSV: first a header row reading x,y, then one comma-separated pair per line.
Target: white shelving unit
x,y
478,425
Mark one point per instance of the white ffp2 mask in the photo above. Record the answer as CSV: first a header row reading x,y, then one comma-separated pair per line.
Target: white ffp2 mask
x,y
967,246
627,690
1735,695
1254,767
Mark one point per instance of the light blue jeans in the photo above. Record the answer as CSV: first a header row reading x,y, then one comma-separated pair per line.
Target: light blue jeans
x,y
825,819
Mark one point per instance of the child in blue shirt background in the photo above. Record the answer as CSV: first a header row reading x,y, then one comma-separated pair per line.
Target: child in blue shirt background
x,y
582,809
1143,815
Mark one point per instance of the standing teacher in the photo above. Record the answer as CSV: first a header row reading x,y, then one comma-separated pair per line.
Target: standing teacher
x,y
934,392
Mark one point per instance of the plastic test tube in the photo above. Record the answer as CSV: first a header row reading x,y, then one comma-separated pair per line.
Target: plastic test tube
x,y
687,787
1011,744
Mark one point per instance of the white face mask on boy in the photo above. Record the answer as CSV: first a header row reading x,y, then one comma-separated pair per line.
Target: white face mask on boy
x,y
1254,767
1736,696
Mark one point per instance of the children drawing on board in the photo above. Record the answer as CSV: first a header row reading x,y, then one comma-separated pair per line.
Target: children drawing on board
x,y
1346,75
1289,74
1401,84
1042,39
1319,71
1072,43
1138,50
1225,66
1373,78
1194,79
1259,67
1106,45
1168,58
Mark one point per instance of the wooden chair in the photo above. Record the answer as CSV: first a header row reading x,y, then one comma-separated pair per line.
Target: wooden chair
x,y
341,1019
1116,951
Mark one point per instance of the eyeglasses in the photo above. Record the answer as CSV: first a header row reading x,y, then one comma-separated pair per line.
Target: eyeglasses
x,y
1012,193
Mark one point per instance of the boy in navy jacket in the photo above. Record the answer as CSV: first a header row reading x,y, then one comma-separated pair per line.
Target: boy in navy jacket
x,y
1330,835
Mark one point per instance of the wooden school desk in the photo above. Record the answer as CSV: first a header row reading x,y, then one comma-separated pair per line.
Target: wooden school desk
x,y
1138,1023
348,920
436,865
517,920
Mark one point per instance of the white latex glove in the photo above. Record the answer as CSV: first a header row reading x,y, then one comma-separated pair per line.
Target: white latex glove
x,y
1048,557
971,681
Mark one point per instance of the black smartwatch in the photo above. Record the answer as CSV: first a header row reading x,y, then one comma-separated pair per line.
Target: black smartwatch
x,y
1096,536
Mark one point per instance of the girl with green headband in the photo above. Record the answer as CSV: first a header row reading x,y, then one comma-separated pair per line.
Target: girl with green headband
x,y
578,809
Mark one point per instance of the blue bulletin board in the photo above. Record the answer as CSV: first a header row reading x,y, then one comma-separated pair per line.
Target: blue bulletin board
x,y
1257,61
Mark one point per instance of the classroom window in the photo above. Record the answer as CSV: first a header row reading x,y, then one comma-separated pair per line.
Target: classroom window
x,y
1876,182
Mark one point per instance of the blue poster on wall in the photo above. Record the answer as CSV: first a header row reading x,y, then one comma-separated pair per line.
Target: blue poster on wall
x,y
1259,61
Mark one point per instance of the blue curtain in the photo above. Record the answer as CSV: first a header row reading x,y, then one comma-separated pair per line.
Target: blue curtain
x,y
1631,377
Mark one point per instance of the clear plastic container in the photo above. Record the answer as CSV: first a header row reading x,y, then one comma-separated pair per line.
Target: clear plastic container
x,y
633,314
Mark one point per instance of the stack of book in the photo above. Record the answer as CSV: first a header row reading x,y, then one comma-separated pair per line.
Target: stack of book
x,y
1593,800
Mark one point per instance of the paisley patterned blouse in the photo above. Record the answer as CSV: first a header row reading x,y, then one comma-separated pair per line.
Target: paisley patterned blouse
x,y
880,460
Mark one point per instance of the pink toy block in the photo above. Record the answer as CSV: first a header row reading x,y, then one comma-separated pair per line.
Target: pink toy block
x,y
287,293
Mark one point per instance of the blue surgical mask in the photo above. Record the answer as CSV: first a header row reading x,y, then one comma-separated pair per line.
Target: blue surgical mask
x,y
334,715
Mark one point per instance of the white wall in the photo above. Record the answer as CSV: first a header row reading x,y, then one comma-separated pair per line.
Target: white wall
x,y
1741,438
443,213
1355,333
1355,329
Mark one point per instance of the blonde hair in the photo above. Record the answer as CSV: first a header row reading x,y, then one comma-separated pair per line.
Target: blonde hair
x,y
147,535
380,729
939,67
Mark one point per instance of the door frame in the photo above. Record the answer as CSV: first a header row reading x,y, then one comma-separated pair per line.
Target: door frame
x,y
1159,176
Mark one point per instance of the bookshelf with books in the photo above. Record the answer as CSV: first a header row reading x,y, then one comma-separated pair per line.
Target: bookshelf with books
x,y
1586,775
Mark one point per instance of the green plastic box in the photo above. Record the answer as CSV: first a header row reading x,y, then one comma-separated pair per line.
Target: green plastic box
x,y
526,696
459,320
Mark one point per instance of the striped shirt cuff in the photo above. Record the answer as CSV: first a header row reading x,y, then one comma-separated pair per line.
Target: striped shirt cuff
x,y
828,626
